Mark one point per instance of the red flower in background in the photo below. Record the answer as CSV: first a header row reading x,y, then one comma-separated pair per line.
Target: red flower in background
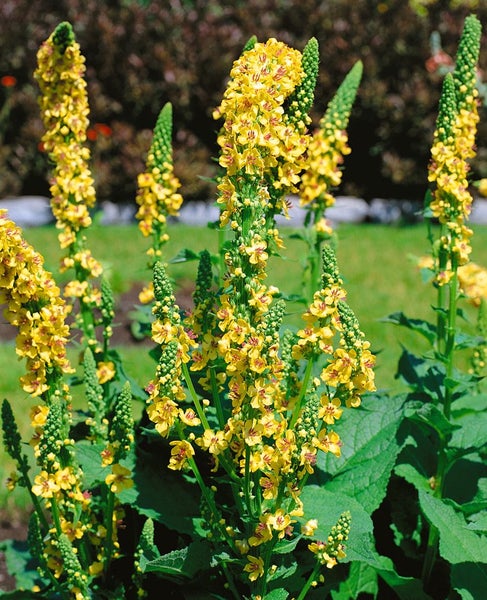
x,y
439,59
8,81
98,129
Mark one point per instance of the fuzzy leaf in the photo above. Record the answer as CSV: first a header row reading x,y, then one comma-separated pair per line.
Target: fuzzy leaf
x,y
361,579
458,544
180,564
422,375
471,432
89,457
369,451
327,506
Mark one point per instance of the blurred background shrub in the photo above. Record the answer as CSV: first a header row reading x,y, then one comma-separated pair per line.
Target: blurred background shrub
x,y
141,54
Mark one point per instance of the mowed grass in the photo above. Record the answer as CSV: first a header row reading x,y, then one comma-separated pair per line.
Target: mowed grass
x,y
377,264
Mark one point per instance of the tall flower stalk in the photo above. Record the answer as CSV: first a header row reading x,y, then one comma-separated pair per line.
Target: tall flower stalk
x,y
326,151
450,205
157,194
64,111
259,404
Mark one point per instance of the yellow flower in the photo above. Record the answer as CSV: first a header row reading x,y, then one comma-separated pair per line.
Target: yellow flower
x,y
119,479
329,410
45,485
180,452
309,527
105,371
213,441
254,567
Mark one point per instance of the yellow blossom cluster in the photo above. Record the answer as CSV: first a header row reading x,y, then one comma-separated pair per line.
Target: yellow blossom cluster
x,y
35,307
157,195
64,111
256,138
453,146
326,150
472,279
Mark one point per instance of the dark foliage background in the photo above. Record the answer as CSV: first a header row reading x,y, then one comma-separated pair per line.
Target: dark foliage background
x,y
141,54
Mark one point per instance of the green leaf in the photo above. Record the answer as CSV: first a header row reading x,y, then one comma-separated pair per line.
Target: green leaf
x,y
406,588
89,458
471,432
20,565
180,564
369,451
412,476
431,415
426,329
327,506
277,594
469,403
458,544
184,255
361,579
469,580
154,492
423,375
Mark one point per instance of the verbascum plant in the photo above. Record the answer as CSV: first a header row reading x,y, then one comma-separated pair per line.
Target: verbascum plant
x,y
259,405
444,405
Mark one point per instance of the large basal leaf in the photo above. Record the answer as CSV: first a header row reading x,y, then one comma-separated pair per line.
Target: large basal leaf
x,y
369,451
326,506
458,543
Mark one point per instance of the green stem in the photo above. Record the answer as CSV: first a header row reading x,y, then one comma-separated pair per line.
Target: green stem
x,y
216,398
229,578
109,528
309,582
194,397
446,342
302,393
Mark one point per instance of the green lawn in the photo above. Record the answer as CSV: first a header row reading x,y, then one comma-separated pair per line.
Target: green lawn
x,y
375,262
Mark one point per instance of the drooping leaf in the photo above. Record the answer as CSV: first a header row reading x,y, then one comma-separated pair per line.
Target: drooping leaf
x,y
422,375
432,416
426,329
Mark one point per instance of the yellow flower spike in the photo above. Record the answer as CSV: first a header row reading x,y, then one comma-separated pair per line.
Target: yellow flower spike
x,y
34,306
